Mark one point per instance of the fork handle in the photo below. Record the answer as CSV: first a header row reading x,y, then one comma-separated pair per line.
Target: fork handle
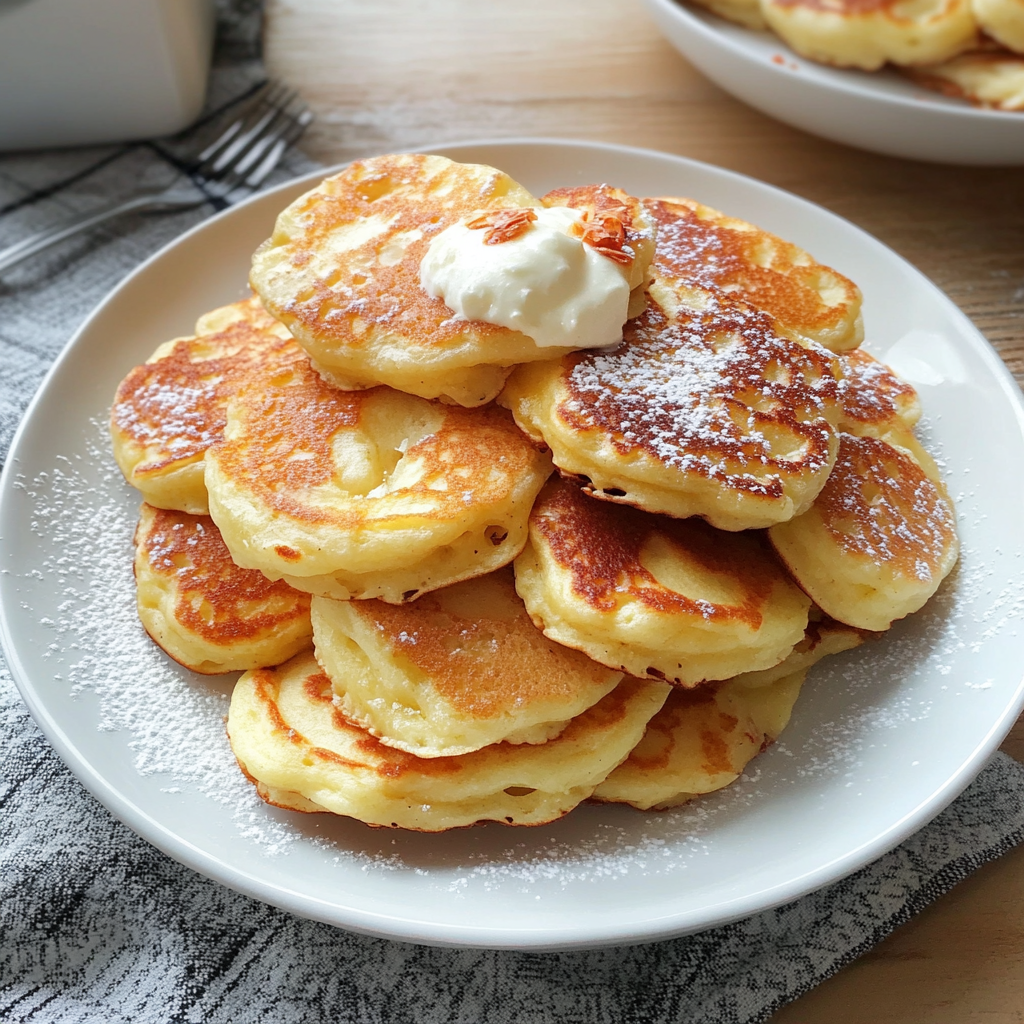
x,y
51,236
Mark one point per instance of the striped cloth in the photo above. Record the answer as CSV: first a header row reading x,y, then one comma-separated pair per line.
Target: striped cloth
x,y
97,926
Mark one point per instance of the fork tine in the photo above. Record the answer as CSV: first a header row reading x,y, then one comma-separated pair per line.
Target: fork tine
x,y
230,156
268,93
274,130
269,96
290,135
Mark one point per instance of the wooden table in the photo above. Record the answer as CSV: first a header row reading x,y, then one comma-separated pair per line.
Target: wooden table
x,y
397,75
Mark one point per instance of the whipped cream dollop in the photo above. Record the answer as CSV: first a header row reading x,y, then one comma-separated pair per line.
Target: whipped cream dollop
x,y
544,282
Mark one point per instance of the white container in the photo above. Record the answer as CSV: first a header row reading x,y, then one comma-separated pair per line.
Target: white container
x,y
85,71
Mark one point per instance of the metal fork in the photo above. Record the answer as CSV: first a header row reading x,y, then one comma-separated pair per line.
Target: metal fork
x,y
235,164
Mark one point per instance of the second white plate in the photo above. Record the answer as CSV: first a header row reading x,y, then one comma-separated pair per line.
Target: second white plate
x,y
881,740
881,111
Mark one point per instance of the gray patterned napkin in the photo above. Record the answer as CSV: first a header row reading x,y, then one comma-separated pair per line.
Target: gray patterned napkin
x,y
97,926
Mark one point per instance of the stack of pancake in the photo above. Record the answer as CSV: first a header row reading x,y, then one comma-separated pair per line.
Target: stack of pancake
x,y
972,49
471,579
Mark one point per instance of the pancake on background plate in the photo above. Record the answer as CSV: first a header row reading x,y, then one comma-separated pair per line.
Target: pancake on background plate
x,y
987,77
868,33
878,540
292,741
205,612
703,410
454,671
369,493
809,301
342,272
657,597
168,411
1003,20
700,741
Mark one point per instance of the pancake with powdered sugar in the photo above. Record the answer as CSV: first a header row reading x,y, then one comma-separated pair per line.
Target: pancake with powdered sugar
x,y
653,596
454,671
169,410
704,409
809,301
877,541
291,739
202,609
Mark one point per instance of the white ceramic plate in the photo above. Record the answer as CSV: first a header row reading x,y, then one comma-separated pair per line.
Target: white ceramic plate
x,y
881,740
880,111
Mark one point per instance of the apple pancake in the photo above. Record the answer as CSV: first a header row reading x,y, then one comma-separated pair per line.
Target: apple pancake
x,y
700,741
342,271
455,671
809,301
204,611
291,739
366,493
703,410
868,33
169,410
878,540
986,77
656,597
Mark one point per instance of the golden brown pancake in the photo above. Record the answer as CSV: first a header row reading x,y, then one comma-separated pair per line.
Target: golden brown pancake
x,y
370,493
875,402
809,301
988,77
205,612
878,540
823,637
1003,20
342,271
700,741
459,669
703,410
656,597
292,740
168,411
868,33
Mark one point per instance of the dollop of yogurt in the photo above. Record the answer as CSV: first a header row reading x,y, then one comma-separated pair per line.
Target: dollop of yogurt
x,y
545,283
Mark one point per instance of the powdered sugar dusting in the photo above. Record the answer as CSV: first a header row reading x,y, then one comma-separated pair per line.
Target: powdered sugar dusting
x,y
715,392
174,720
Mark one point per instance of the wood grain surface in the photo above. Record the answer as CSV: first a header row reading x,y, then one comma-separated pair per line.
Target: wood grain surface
x,y
397,75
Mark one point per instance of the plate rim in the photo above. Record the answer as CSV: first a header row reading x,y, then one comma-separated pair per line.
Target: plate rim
x,y
389,926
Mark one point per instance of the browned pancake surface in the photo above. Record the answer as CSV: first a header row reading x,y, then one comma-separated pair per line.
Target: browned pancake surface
x,y
771,274
215,599
716,393
174,407
292,417
879,504
485,661
601,544
390,763
874,399
364,291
